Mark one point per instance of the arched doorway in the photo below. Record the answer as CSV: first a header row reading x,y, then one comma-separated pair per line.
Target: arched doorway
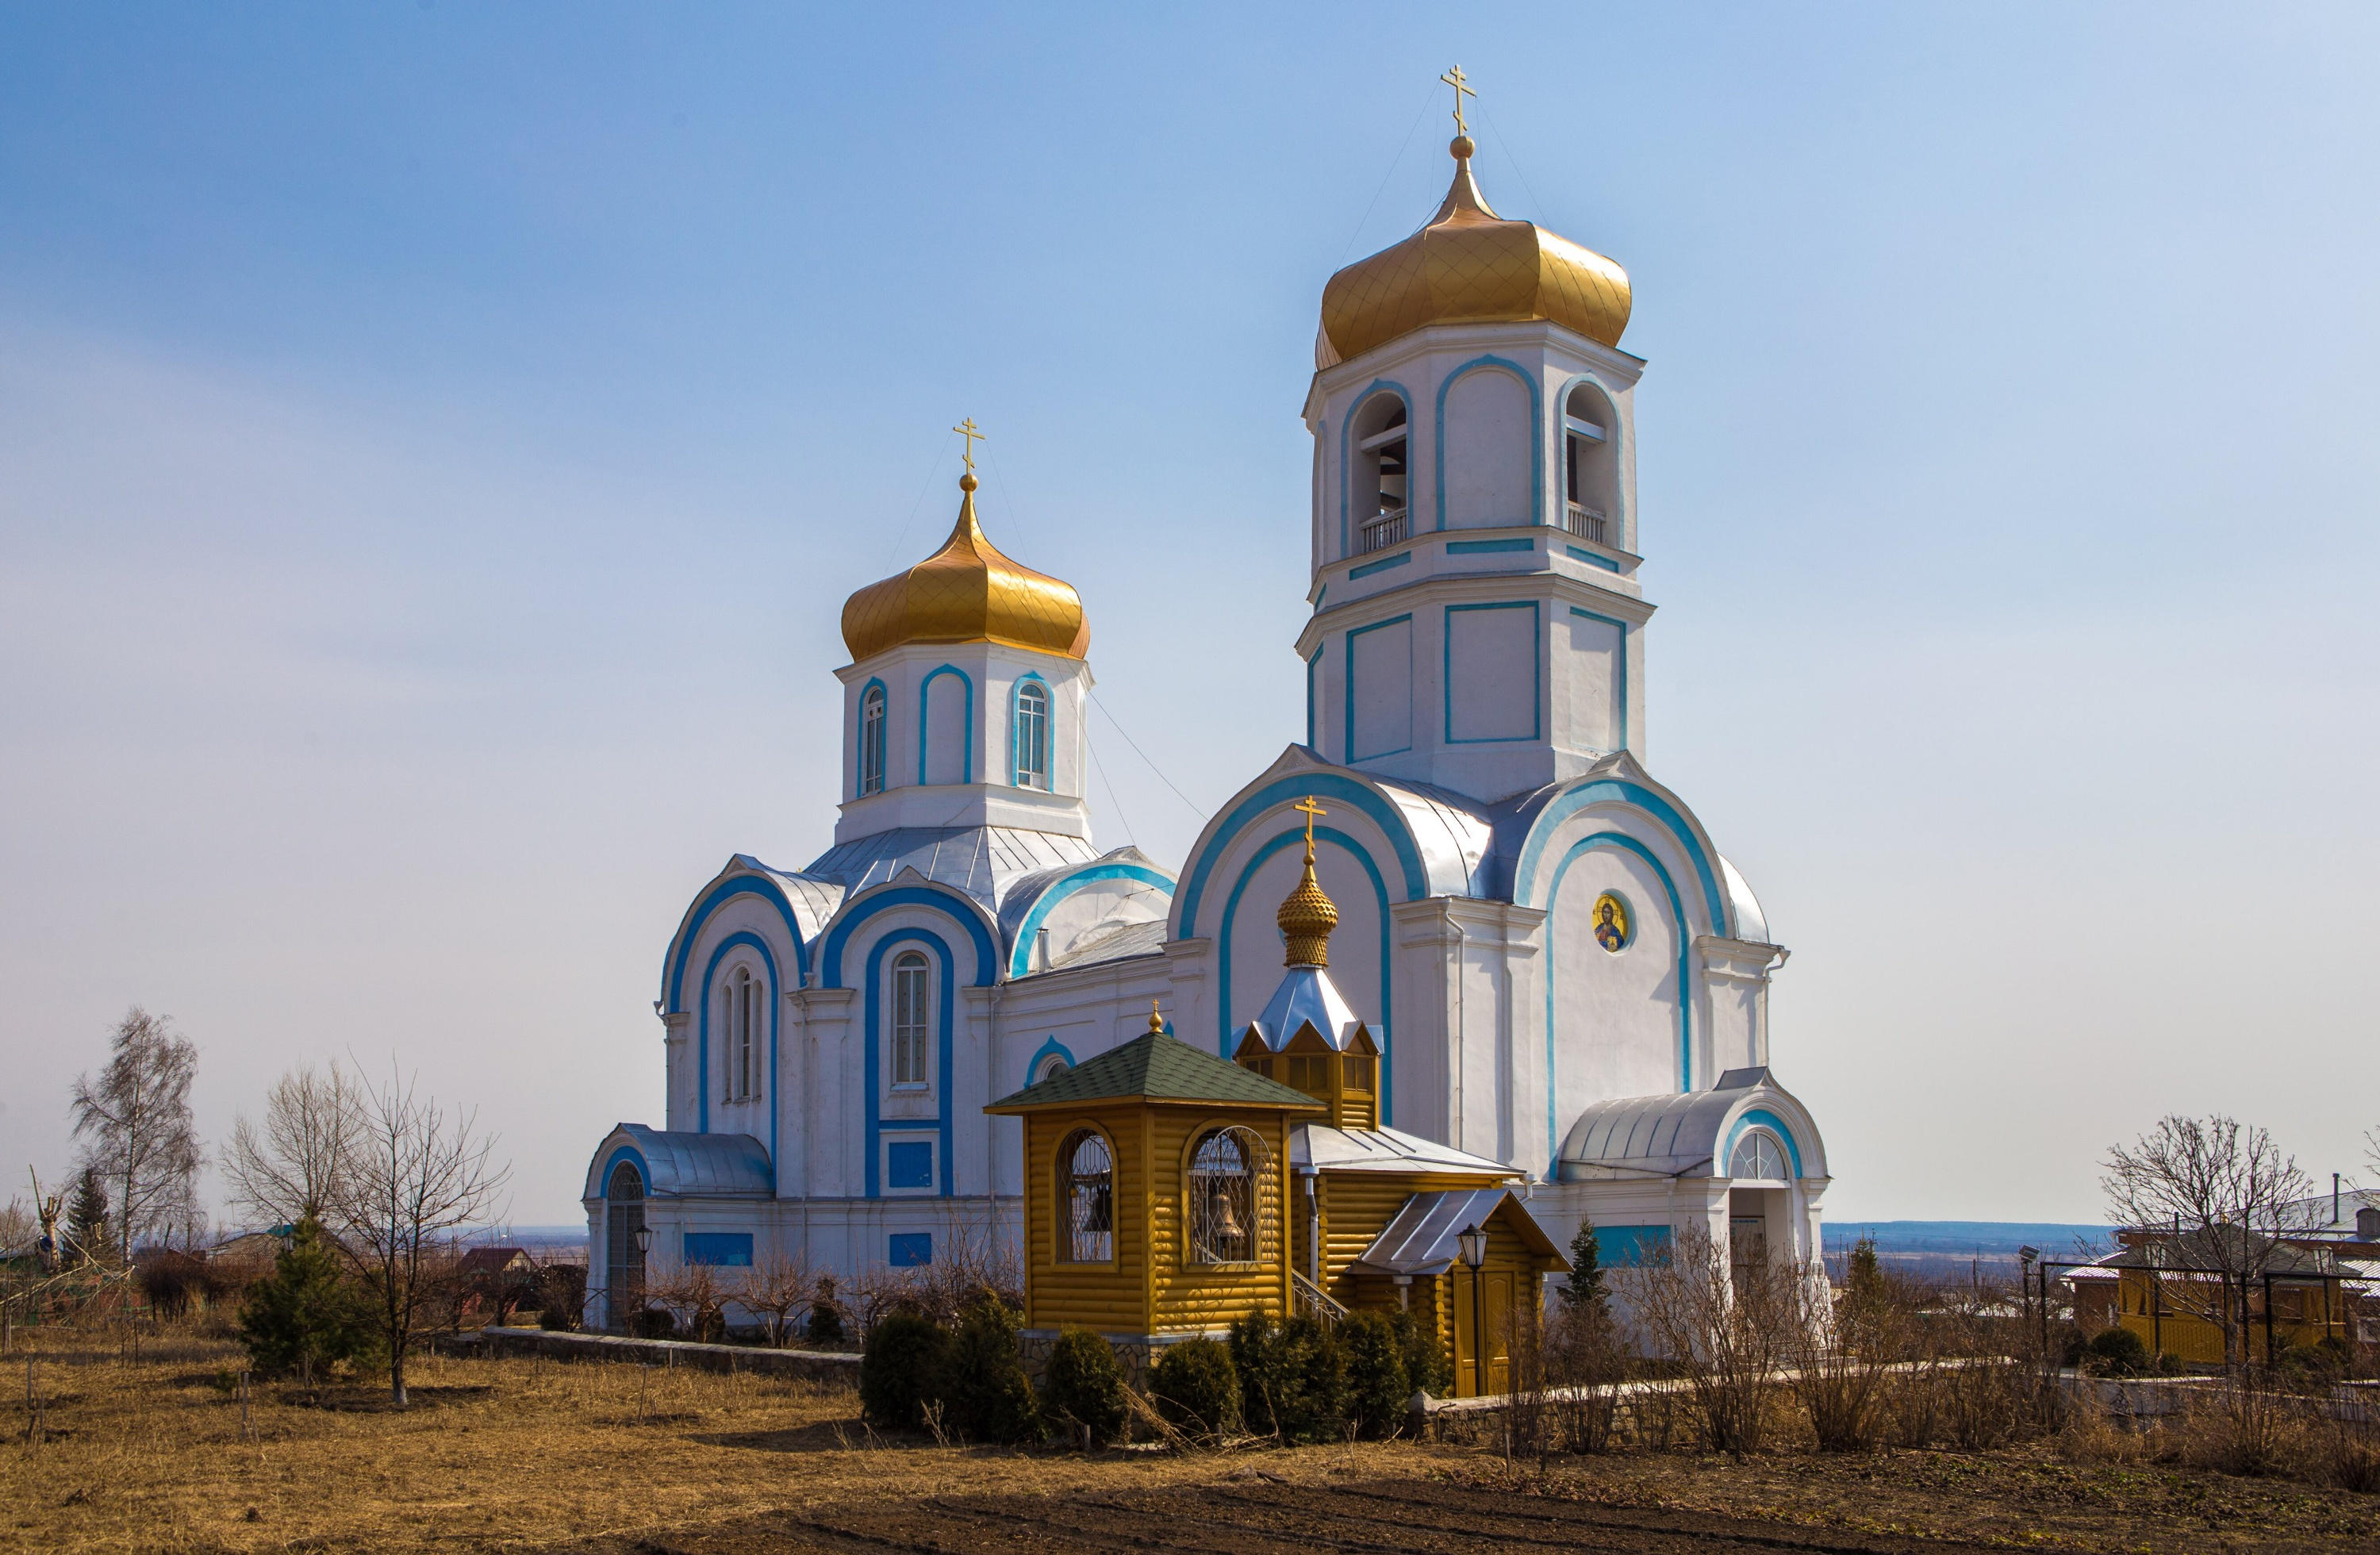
x,y
624,1218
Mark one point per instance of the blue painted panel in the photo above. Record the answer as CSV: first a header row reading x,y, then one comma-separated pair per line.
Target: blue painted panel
x,y
1537,673
1478,547
909,1163
722,1249
1368,568
910,1249
1614,621
1348,751
1619,1247
1591,559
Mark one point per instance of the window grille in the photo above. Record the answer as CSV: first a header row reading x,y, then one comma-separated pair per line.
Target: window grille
x,y
871,741
743,1010
1757,1159
624,1216
1087,1198
1223,1198
909,1019
1032,735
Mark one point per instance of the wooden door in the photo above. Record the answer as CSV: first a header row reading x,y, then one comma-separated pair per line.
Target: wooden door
x,y
1487,1294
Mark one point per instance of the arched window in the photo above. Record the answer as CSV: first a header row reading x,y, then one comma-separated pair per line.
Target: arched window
x,y
1591,465
624,1216
1049,1068
743,1001
1087,1197
1032,734
909,1011
871,740
1379,491
1758,1159
1222,1197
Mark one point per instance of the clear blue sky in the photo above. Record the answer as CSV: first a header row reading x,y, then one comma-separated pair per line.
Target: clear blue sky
x,y
436,440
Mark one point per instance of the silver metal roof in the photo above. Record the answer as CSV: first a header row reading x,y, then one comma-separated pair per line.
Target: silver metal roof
x,y
1307,997
1324,1148
1420,1238
1679,1135
982,861
684,1165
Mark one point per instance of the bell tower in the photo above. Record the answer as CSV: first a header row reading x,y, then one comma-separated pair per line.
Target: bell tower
x,y
1476,616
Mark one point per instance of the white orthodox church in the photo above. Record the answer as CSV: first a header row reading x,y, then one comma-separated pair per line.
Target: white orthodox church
x,y
1561,970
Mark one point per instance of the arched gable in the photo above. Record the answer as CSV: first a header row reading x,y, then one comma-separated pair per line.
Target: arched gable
x,y
912,890
1031,901
1620,782
799,903
1430,846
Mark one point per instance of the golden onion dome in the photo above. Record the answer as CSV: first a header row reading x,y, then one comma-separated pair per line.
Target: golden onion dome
x,y
1470,266
967,591
1307,918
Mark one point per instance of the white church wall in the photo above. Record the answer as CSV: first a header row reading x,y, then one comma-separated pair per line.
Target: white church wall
x,y
1616,1030
1495,666
950,719
1381,695
1591,681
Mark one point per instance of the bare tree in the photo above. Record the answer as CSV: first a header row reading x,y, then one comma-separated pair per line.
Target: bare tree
x,y
778,1290
1727,1328
136,1117
419,1174
2220,1190
295,1166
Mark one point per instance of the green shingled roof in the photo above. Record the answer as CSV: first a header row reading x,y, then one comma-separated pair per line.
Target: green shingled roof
x,y
1161,1068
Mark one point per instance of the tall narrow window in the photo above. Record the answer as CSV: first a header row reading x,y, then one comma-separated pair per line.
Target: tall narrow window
x,y
909,1019
1087,1197
871,740
743,1017
1223,1198
1590,466
624,1216
1032,735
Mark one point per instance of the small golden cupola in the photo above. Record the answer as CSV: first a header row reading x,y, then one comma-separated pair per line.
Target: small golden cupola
x,y
967,591
1469,265
1307,915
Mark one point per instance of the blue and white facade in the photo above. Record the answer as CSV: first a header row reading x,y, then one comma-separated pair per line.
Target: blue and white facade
x,y
1476,731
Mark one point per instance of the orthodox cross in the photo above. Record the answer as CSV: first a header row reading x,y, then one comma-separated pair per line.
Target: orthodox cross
x,y
1309,809
1456,79
1156,1021
966,429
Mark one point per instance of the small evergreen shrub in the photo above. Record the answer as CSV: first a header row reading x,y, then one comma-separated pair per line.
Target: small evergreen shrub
x,y
1428,1369
1196,1390
1377,1388
1584,1288
1083,1388
307,1315
1292,1378
900,1368
984,1386
2116,1353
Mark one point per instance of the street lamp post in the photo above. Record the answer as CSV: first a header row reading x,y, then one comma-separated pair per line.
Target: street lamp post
x,y
1474,1244
643,1235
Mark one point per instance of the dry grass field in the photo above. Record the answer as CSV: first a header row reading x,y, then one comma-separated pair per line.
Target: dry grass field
x,y
149,1453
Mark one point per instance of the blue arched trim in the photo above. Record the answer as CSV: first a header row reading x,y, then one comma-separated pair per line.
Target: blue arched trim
x,y
1536,437
1761,1117
1624,843
1347,455
702,1043
1049,729
1020,956
1050,1048
1326,785
1569,803
635,1158
924,707
672,994
941,958
1561,409
1386,1028
952,906
859,741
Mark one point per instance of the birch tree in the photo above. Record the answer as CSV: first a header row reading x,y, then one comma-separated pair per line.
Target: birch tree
x,y
135,1120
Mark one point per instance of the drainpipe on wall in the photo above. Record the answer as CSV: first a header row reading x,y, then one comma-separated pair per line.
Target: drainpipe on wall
x,y
1312,1229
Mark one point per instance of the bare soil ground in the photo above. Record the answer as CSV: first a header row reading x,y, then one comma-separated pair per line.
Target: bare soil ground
x,y
149,1454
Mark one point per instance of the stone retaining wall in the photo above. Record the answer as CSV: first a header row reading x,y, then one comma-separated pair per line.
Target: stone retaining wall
x,y
823,1366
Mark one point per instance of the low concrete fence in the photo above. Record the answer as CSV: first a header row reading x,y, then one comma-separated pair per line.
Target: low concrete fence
x,y
820,1366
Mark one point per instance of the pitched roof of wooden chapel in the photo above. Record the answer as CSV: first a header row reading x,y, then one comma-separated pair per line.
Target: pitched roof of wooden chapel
x,y
1158,1066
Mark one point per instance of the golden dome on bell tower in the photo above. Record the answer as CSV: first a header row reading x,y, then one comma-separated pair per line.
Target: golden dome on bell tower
x,y
1469,265
967,591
